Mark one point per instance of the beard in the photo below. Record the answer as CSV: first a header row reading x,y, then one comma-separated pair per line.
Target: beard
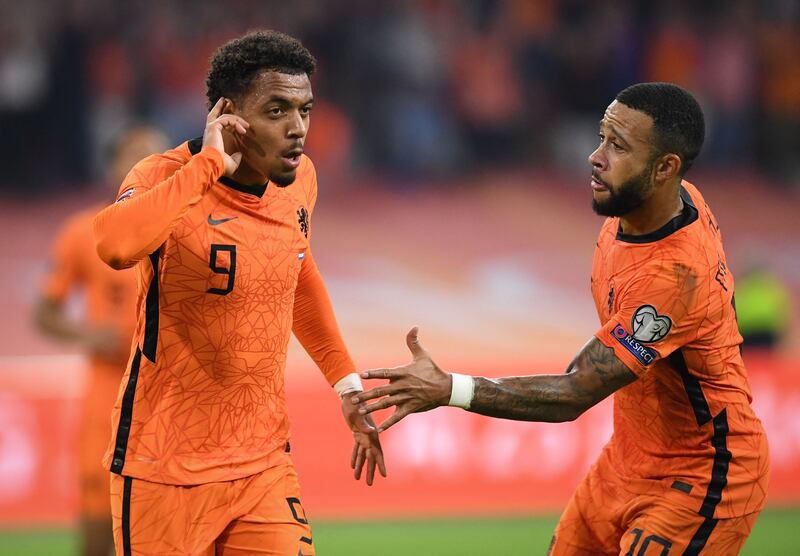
x,y
283,180
626,197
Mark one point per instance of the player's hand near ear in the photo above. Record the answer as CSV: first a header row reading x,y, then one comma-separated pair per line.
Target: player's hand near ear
x,y
216,122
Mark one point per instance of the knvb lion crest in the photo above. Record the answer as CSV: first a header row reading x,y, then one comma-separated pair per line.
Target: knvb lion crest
x,y
648,326
302,219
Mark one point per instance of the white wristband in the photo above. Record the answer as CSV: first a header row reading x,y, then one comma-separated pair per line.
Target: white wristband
x,y
462,392
347,384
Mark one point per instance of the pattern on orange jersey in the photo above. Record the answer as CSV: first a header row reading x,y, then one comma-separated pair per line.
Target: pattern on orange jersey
x,y
604,517
686,427
225,273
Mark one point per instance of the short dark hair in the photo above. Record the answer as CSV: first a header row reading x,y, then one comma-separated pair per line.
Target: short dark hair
x,y
678,124
236,63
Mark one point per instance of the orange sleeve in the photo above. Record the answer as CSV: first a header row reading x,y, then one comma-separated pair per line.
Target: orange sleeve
x,y
64,266
155,195
660,310
315,324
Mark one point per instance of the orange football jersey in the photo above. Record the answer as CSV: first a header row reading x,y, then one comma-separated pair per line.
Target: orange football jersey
x,y
225,273
110,295
685,428
110,302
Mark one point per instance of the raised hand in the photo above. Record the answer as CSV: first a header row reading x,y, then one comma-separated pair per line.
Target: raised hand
x,y
367,446
212,136
419,386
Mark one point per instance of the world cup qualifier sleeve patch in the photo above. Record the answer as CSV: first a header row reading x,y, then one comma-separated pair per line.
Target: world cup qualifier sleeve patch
x,y
648,326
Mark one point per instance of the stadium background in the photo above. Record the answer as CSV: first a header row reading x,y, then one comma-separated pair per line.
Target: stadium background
x,y
450,140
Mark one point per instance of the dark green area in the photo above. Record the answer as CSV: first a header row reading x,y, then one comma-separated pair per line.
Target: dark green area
x,y
771,536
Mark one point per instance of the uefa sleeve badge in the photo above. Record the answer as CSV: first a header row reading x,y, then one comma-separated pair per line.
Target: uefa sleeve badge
x,y
648,326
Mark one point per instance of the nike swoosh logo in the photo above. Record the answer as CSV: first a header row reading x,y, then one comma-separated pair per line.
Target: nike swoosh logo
x,y
214,222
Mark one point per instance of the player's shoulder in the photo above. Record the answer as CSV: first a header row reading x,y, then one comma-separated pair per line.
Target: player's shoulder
x,y
608,231
693,192
165,163
699,239
306,172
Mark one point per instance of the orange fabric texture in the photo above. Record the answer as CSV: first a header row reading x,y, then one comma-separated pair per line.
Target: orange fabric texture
x,y
225,273
666,308
95,430
260,514
605,517
110,301
74,265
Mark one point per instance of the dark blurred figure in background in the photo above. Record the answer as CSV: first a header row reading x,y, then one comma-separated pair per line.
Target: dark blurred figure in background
x,y
104,332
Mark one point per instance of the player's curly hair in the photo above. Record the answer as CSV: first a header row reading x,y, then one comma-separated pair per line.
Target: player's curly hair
x,y
678,123
236,63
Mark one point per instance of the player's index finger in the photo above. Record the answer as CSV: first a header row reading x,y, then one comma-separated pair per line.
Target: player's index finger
x,y
381,463
216,110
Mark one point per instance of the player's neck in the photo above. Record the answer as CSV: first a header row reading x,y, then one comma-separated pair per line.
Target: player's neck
x,y
247,176
658,209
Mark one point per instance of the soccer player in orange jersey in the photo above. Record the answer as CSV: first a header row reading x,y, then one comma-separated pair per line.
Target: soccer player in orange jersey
x,y
218,230
105,333
686,469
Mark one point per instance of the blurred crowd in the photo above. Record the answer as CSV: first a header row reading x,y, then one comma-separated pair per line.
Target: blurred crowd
x,y
407,88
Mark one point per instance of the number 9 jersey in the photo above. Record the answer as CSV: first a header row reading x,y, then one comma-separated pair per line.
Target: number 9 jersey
x,y
225,273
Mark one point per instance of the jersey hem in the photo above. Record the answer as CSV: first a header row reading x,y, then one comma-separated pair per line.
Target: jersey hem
x,y
169,476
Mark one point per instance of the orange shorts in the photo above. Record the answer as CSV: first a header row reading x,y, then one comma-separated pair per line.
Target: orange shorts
x,y
602,518
95,431
259,514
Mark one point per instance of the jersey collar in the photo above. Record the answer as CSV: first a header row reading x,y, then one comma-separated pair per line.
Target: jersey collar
x,y
196,144
687,216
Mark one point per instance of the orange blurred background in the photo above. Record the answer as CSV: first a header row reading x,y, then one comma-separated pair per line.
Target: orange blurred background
x,y
450,140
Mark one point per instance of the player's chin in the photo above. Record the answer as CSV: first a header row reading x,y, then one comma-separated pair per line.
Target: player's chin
x,y
601,205
282,179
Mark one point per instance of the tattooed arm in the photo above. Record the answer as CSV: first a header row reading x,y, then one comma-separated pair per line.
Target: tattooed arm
x,y
592,376
420,386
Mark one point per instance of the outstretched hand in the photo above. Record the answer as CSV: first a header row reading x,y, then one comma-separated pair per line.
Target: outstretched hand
x,y
367,446
419,386
216,122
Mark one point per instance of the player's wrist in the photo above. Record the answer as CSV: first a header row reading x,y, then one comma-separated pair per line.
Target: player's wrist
x,y
462,391
348,384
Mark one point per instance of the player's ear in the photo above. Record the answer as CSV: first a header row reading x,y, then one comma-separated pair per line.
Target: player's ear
x,y
228,106
668,167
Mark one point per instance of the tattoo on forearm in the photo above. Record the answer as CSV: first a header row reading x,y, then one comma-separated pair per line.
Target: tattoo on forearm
x,y
593,375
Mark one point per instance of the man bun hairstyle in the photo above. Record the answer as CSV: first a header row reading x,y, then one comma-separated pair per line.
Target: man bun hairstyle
x,y
236,63
678,123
